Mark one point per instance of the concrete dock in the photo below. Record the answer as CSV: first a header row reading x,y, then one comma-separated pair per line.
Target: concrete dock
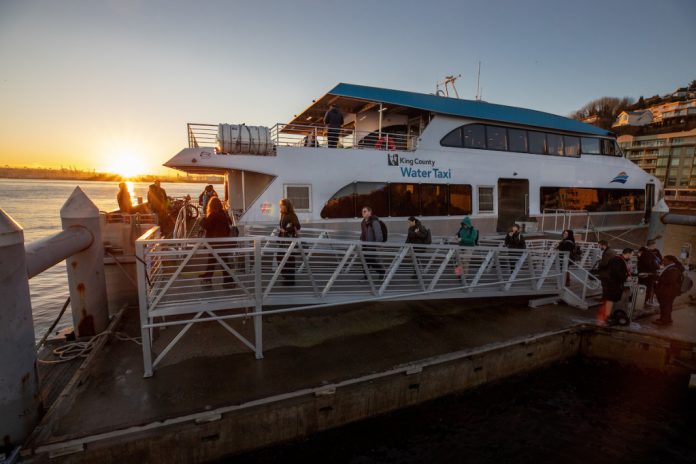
x,y
322,369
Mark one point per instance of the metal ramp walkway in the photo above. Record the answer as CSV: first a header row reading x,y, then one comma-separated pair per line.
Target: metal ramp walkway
x,y
253,277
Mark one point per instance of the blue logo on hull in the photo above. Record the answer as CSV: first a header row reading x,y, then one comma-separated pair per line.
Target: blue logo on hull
x,y
621,178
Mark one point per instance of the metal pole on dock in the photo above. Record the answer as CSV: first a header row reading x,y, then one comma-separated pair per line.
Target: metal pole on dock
x,y
86,279
19,389
656,228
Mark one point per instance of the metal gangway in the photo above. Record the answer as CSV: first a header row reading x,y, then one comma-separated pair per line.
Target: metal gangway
x,y
253,277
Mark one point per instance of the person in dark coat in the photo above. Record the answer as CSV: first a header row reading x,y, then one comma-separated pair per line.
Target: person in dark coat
x,y
647,271
668,287
417,232
216,224
618,271
334,121
371,231
603,265
288,226
567,242
205,196
514,238
651,245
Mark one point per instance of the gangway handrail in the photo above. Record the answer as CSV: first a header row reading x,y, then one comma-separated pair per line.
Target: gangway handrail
x,y
325,272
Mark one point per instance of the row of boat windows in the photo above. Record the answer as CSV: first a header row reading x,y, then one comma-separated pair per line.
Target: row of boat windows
x,y
490,137
403,200
399,200
591,199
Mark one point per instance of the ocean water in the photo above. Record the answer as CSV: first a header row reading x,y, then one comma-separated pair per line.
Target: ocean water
x,y
35,205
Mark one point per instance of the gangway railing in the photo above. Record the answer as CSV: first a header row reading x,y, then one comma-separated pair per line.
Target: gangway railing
x,y
563,219
253,277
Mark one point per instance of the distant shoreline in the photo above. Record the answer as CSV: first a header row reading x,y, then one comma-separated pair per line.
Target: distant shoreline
x,y
76,175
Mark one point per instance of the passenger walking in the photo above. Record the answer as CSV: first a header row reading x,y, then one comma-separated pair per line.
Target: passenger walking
x,y
567,243
216,223
417,234
648,267
618,271
205,196
288,226
371,231
514,239
467,234
334,121
667,288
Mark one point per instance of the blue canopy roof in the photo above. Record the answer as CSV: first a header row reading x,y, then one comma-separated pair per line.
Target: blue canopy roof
x,y
466,108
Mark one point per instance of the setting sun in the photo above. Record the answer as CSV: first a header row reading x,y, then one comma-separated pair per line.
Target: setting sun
x,y
126,165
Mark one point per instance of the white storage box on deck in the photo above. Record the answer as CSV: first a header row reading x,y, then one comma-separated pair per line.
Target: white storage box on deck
x,y
243,139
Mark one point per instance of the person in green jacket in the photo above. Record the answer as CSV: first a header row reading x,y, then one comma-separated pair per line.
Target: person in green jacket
x,y
467,234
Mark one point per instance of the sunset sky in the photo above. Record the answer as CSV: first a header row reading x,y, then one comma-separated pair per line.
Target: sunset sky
x,y
110,85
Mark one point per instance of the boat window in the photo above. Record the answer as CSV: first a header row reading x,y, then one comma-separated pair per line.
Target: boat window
x,y
537,143
299,196
517,140
433,200
374,195
496,138
572,145
485,199
590,146
593,200
398,200
453,139
341,204
459,199
474,136
555,144
608,147
404,200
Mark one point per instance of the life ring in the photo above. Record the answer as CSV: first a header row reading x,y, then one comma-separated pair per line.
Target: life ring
x,y
385,140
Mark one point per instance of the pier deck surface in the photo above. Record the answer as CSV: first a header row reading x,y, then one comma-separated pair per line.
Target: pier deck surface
x,y
211,369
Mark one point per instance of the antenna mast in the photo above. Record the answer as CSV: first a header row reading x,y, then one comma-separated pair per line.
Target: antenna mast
x,y
478,82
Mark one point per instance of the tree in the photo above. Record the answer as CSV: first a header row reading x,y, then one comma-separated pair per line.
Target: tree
x,y
606,109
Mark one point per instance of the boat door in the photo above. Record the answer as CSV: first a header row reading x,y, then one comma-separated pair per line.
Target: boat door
x,y
513,202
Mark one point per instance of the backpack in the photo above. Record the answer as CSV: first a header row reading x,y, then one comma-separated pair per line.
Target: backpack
x,y
576,254
385,232
428,237
686,284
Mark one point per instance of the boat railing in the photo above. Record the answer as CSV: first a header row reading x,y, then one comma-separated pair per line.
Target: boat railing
x,y
297,135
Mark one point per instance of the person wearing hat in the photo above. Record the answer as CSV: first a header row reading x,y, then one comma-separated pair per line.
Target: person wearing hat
x,y
467,233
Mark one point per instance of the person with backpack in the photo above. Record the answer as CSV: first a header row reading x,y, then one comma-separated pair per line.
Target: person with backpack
x,y
372,230
467,234
567,243
514,239
668,287
618,271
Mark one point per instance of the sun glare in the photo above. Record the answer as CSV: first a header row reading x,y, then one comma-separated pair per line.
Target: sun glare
x,y
126,165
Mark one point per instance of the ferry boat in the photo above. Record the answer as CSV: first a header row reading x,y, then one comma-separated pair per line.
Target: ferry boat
x,y
430,156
